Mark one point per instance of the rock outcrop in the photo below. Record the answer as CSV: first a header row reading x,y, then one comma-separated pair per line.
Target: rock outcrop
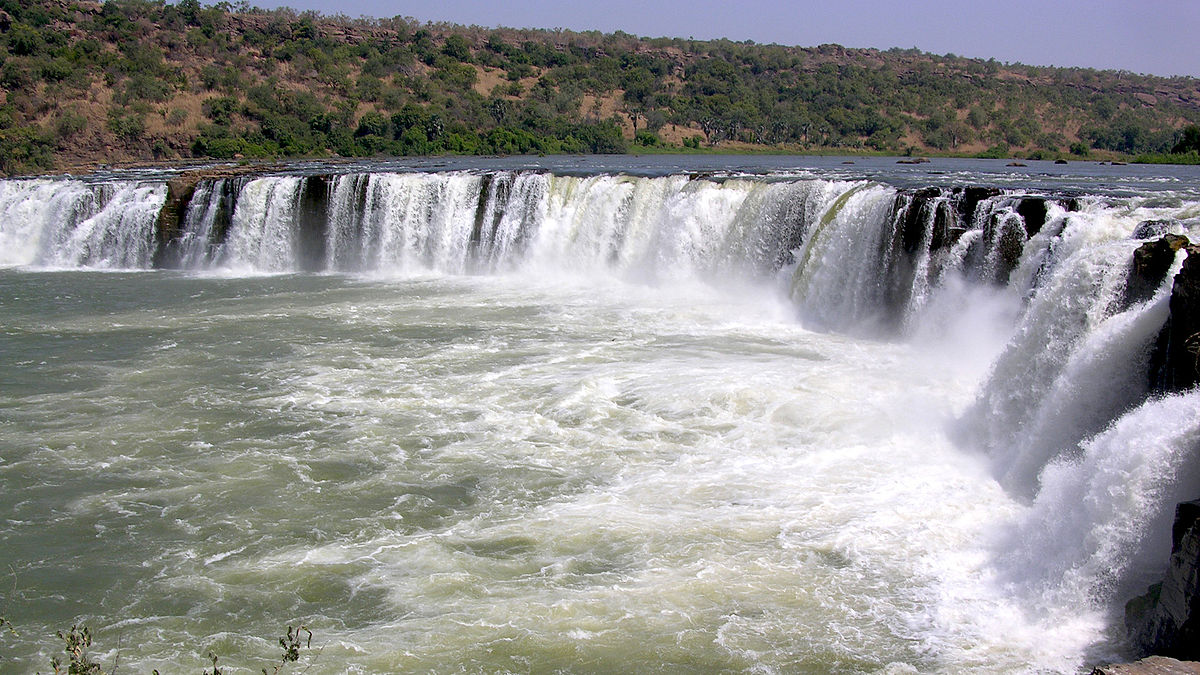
x,y
1148,229
170,219
1151,262
1166,620
1033,211
181,189
1155,665
1175,363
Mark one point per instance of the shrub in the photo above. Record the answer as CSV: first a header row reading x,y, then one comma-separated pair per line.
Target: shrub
x,y
78,640
456,47
997,151
127,126
24,149
25,40
68,124
372,124
1189,141
14,76
645,139
221,110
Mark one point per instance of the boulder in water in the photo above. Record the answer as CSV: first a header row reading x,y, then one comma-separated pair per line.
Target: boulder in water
x,y
1033,211
1148,229
1166,620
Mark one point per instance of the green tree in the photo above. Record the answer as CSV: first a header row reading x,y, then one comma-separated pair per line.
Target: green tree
x,y
1189,140
457,48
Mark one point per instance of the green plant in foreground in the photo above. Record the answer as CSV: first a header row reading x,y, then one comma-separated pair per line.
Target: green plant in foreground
x,y
78,640
290,643
291,647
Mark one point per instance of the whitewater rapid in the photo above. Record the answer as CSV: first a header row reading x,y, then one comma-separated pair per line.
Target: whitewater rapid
x,y
528,421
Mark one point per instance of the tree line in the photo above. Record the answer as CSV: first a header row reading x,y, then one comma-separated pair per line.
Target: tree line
x,y
142,79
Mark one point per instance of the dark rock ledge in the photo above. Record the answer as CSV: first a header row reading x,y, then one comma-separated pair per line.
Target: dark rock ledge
x,y
1155,665
1165,621
1175,362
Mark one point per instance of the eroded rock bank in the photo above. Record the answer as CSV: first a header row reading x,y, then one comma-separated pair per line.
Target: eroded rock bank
x,y
1154,665
1166,620
1175,365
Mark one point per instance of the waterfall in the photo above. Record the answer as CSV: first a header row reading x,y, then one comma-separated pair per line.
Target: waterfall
x,y
75,224
1061,410
839,281
34,211
346,215
461,222
205,223
1100,525
855,253
263,235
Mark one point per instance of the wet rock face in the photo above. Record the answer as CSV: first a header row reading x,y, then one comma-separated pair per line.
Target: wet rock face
x,y
1175,363
170,219
971,198
923,202
1166,620
314,202
1153,228
1151,262
1033,211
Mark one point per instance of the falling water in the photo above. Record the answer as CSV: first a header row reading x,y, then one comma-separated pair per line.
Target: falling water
x,y
537,420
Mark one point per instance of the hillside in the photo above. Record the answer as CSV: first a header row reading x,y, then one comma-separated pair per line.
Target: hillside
x,y
135,80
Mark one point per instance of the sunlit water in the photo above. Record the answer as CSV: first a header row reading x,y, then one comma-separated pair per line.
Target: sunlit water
x,y
558,468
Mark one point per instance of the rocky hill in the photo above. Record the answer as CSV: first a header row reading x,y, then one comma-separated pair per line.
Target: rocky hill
x,y
135,80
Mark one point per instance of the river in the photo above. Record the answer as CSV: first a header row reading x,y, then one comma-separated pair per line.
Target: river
x,y
666,415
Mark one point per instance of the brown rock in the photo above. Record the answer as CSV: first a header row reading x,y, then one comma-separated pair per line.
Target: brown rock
x,y
1155,665
1151,262
170,218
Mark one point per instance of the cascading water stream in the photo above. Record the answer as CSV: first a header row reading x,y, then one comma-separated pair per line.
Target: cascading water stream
x,y
72,224
263,235
206,221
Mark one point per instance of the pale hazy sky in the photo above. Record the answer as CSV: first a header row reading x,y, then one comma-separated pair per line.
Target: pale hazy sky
x,y
1161,37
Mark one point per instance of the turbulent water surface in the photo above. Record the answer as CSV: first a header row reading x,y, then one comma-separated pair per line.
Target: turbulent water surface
x,y
499,419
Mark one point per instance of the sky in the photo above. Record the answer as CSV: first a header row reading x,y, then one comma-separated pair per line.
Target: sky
x,y
1160,37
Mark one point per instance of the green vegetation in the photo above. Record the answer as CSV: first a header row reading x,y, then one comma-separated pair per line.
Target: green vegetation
x,y
1185,151
78,640
134,80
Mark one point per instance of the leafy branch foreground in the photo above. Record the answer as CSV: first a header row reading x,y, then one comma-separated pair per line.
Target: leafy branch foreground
x,y
78,640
